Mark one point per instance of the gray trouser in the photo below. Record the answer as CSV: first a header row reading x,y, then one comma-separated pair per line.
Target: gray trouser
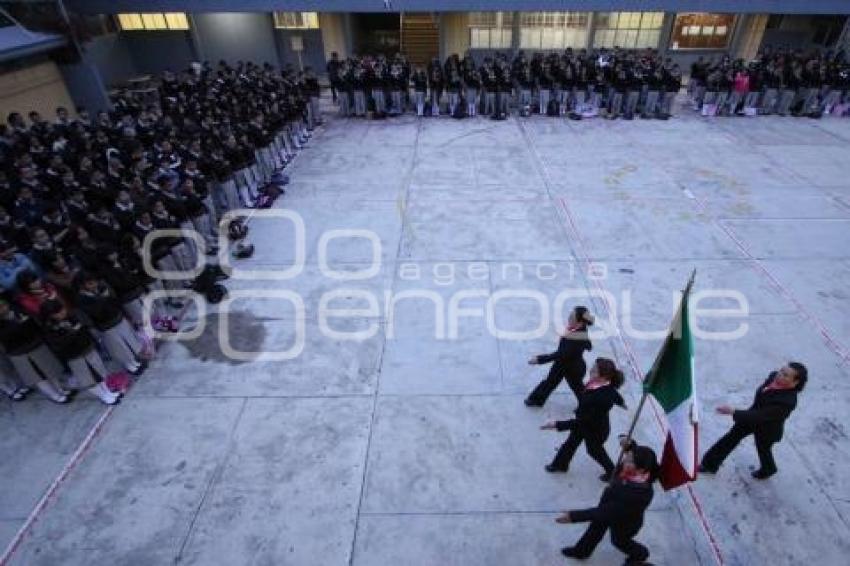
x,y
471,101
524,97
752,100
733,101
229,194
419,98
489,102
579,99
435,102
563,96
616,103
830,99
344,104
88,370
398,104
785,101
122,344
359,103
699,94
667,103
632,98
768,102
380,100
720,100
454,100
545,93
810,99
38,364
650,106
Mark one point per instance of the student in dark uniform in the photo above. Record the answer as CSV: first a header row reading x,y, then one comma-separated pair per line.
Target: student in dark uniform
x,y
591,424
774,401
569,363
621,508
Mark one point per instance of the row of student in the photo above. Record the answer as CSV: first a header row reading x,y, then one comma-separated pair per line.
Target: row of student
x,y
52,339
629,493
77,190
775,82
580,83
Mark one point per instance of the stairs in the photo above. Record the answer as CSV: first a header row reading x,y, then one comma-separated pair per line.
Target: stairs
x,y
420,37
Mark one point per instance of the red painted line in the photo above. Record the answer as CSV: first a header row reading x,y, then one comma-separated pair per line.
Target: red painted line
x,y
54,487
637,376
75,459
759,267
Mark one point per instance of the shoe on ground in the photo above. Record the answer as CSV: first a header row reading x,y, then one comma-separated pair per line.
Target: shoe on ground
x,y
761,474
703,469
571,552
531,403
553,469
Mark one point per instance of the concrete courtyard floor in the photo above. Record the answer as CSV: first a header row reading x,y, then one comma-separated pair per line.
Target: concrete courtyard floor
x,y
403,448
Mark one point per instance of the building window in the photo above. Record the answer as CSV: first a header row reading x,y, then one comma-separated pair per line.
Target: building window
x,y
629,30
702,31
553,30
296,20
153,21
490,30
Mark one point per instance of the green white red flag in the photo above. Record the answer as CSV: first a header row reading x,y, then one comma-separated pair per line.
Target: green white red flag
x,y
671,382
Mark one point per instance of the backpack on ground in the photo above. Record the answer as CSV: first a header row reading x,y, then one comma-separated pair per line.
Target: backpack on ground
x,y
206,285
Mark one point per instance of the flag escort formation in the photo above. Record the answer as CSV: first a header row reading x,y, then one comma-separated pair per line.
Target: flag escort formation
x,y
670,383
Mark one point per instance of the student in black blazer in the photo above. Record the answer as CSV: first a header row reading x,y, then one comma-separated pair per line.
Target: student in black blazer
x,y
569,362
591,424
774,401
621,508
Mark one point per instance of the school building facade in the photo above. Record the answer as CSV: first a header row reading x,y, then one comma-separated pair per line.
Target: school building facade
x,y
108,42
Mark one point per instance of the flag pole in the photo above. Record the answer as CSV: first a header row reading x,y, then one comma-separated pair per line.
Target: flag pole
x,y
651,375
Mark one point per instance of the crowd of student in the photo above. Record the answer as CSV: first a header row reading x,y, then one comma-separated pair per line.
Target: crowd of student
x,y
775,82
611,83
79,195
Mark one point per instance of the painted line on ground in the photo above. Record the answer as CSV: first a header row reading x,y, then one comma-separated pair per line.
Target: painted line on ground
x,y
637,376
831,342
581,250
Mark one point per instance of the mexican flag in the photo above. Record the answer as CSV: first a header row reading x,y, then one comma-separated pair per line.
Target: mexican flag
x,y
671,383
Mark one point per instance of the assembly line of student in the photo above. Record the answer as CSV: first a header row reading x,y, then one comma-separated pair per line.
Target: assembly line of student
x,y
630,481
78,196
609,83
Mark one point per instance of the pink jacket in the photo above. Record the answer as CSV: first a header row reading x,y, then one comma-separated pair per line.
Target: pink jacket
x,y
742,83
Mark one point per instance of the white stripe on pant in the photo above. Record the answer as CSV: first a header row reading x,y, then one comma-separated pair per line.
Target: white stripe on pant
x,y
122,344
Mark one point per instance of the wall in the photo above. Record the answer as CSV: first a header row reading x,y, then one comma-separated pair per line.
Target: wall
x,y
111,55
454,33
85,85
236,37
333,35
730,6
796,32
157,51
314,51
38,86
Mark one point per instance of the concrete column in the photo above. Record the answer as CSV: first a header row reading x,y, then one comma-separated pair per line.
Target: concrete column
x,y
454,33
748,36
333,35
348,30
591,30
843,42
666,32
195,39
515,27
